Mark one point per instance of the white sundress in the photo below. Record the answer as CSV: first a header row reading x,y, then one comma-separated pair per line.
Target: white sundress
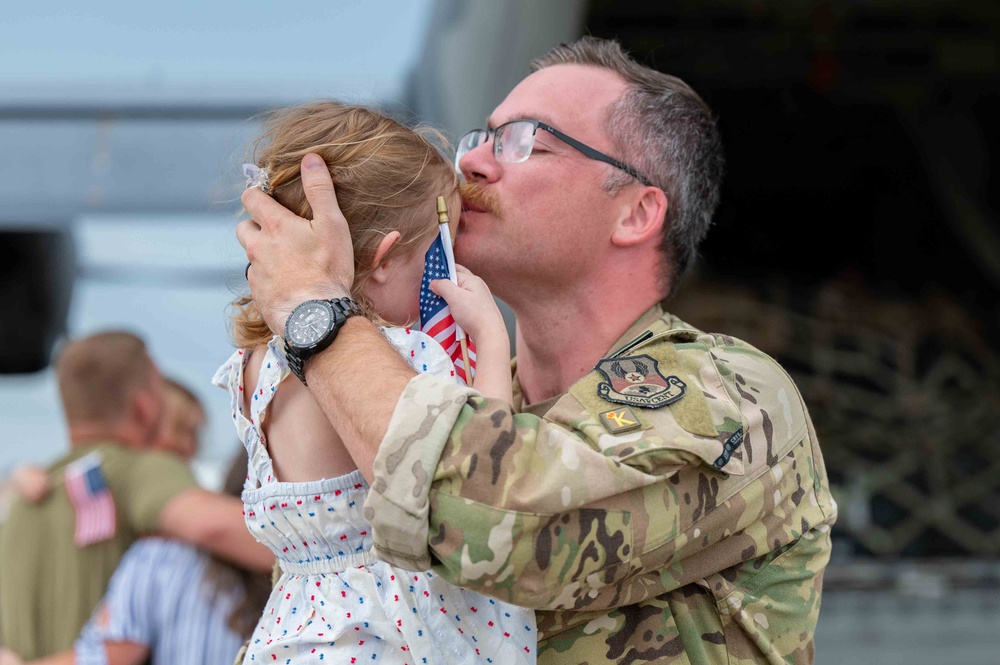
x,y
335,602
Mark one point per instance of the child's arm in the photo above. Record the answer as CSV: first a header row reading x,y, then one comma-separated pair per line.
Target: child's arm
x,y
474,309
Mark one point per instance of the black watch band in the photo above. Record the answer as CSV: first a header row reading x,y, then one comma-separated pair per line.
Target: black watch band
x,y
295,363
342,308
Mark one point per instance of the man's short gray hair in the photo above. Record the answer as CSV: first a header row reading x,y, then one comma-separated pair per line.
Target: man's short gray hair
x,y
666,131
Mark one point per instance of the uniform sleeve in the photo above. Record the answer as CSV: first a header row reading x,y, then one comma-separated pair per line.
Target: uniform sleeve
x,y
497,498
560,513
398,503
153,479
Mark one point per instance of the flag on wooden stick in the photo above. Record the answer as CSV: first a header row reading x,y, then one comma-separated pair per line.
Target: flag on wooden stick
x,y
436,319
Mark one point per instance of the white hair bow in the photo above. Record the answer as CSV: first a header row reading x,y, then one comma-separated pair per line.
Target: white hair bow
x,y
256,177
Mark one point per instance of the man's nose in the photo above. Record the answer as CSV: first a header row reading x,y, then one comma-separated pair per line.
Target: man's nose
x,y
480,164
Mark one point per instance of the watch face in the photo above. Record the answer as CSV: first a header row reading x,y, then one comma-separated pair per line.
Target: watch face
x,y
309,323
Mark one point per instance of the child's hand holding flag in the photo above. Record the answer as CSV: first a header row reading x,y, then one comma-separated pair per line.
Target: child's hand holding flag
x,y
436,317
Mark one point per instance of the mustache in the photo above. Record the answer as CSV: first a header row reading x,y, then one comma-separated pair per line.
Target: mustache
x,y
481,198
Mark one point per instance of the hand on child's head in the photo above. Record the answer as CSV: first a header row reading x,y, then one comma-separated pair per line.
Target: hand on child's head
x,y
294,259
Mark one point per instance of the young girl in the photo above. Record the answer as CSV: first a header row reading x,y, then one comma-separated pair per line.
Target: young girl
x,y
335,602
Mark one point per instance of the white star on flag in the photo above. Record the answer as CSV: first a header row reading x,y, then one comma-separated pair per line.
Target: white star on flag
x,y
435,315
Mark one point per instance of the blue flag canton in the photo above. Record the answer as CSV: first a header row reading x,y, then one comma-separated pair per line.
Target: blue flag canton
x,y
435,267
95,480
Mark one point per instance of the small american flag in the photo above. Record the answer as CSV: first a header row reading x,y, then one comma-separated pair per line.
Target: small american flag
x,y
435,315
91,499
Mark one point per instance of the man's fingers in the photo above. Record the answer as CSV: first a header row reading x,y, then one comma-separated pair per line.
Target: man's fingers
x,y
245,231
263,207
318,188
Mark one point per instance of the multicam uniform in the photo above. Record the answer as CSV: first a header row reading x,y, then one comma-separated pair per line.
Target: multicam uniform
x,y
672,507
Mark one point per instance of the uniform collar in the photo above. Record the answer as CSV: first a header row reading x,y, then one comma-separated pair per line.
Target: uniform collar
x,y
649,319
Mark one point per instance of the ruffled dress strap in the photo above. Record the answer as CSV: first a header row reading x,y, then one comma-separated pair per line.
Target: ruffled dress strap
x,y
273,369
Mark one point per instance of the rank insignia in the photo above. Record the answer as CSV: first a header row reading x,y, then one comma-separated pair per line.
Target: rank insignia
x,y
619,421
637,381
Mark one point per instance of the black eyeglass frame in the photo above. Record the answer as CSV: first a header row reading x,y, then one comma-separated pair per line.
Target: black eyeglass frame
x,y
583,148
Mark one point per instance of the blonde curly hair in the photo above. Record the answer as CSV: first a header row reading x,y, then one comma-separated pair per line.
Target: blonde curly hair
x,y
387,178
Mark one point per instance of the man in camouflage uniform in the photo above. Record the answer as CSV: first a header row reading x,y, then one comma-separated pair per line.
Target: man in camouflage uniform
x,y
655,492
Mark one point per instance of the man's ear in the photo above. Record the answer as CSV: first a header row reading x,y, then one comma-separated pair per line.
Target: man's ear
x,y
145,408
641,218
379,264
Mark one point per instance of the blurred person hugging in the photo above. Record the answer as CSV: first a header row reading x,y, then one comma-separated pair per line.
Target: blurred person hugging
x,y
178,435
169,602
57,556
183,422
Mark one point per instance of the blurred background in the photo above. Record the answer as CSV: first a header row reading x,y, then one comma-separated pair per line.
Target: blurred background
x,y
858,240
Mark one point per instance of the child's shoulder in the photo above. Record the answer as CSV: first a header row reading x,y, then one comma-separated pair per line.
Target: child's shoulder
x,y
423,353
266,368
246,368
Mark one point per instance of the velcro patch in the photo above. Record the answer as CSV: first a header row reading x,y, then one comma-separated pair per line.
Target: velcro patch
x,y
638,381
688,405
619,421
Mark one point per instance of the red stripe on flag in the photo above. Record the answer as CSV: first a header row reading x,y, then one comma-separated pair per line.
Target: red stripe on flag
x,y
449,343
94,511
439,327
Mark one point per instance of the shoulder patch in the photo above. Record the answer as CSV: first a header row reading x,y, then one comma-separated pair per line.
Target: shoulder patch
x,y
622,396
638,381
620,420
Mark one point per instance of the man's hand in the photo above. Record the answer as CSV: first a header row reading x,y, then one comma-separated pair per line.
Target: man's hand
x,y
294,259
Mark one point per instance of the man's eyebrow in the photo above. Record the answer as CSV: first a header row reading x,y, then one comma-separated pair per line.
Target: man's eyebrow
x,y
540,117
546,120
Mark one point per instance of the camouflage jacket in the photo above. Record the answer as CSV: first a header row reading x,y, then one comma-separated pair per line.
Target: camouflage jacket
x,y
672,507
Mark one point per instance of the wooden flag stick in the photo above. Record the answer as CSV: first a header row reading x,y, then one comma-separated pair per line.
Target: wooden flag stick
x,y
465,359
445,231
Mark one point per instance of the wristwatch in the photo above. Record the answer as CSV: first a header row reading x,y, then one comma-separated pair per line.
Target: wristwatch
x,y
312,327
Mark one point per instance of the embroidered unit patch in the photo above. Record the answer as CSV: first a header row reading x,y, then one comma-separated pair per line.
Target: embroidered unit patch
x,y
637,381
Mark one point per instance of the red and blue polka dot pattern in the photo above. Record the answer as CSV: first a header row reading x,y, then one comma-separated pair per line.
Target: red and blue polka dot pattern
x,y
335,602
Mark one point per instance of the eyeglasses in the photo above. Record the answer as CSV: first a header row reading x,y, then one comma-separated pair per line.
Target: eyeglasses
x,y
513,141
